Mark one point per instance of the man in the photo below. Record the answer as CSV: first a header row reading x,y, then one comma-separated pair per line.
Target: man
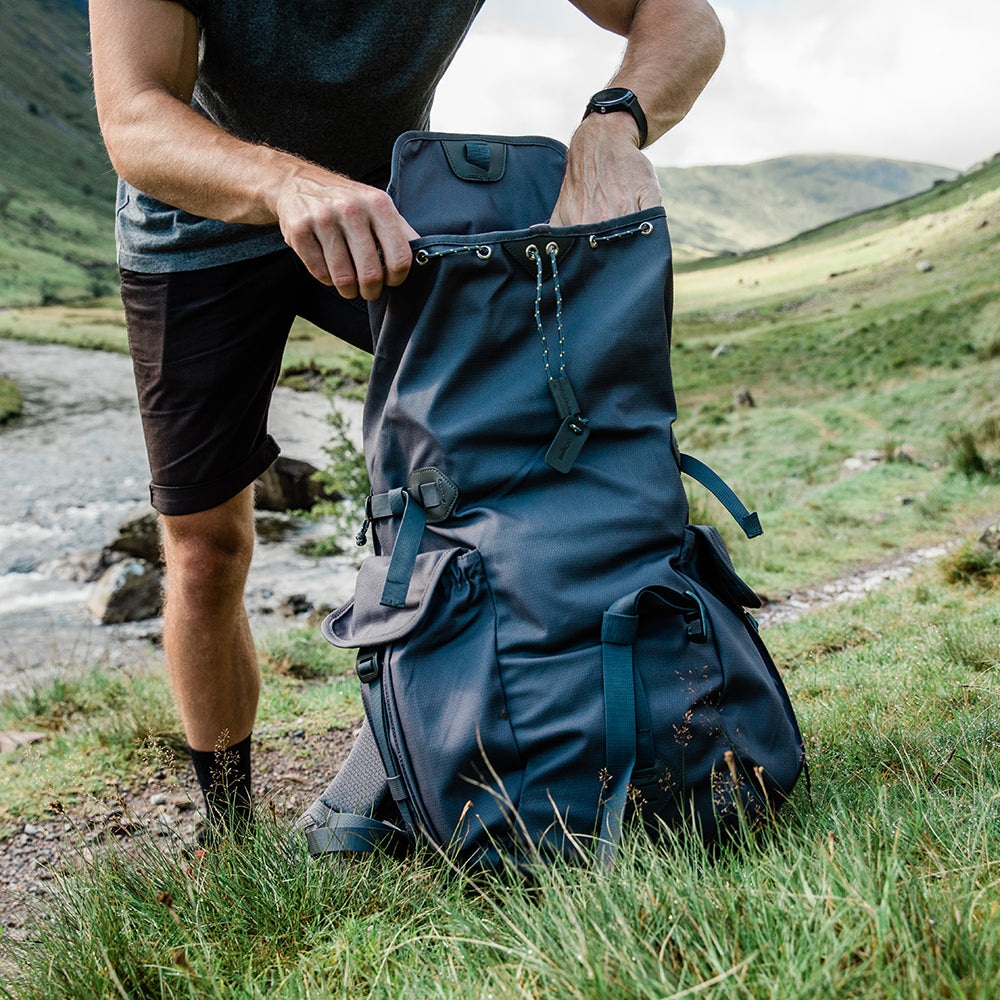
x,y
252,139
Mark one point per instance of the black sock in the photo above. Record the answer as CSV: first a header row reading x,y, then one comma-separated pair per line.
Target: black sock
x,y
224,777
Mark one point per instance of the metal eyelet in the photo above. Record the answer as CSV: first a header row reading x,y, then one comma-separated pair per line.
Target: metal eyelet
x,y
421,257
646,228
593,241
531,252
552,248
484,252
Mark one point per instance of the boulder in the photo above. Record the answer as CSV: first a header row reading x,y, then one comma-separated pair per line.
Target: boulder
x,y
129,591
743,397
293,605
289,485
139,536
989,541
865,459
274,526
721,351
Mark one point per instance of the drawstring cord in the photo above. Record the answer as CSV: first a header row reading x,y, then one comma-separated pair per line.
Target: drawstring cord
x,y
532,253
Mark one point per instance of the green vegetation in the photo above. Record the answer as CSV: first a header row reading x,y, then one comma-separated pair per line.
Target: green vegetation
x,y
11,404
880,884
106,723
56,187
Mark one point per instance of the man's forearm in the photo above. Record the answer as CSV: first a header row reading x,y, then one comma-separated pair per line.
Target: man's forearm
x,y
169,151
674,47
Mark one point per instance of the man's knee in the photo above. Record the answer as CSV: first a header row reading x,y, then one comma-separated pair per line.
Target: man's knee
x,y
210,550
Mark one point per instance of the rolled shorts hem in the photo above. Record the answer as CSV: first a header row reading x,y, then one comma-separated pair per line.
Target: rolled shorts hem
x,y
174,501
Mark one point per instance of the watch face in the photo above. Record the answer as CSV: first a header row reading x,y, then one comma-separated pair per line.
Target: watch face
x,y
611,96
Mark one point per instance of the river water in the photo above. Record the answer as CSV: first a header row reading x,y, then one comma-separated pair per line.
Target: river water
x,y
72,468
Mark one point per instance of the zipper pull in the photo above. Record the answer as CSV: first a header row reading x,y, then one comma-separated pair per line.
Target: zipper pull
x,y
362,536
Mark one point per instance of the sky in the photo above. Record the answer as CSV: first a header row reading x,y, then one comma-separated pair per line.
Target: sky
x,y
906,79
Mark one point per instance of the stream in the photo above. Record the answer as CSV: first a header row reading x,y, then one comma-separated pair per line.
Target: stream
x,y
73,467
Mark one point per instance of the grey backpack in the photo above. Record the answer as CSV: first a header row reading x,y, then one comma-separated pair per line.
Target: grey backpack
x,y
546,646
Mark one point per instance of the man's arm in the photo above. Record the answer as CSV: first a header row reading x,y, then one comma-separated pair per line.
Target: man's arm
x,y
674,47
145,55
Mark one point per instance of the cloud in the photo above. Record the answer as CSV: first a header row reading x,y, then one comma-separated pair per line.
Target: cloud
x,y
879,77
508,80
882,77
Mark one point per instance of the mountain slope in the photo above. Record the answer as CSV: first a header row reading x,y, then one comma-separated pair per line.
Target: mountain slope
x,y
737,208
56,185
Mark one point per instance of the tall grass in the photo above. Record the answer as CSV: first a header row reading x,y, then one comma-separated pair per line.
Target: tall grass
x,y
880,883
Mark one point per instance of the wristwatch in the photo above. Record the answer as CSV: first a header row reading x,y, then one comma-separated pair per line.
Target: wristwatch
x,y
619,99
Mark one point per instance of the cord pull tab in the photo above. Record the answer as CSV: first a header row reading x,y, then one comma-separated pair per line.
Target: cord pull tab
x,y
361,537
574,430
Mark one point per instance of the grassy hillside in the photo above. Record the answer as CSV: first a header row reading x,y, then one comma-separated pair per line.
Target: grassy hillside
x,y
56,186
870,334
737,208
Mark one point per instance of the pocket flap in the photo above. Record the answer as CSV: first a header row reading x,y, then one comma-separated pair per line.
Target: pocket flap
x,y
364,621
716,570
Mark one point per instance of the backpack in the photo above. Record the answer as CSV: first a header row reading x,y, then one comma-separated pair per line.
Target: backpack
x,y
546,647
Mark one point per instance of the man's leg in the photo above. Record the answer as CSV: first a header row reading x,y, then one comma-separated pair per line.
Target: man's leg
x,y
206,347
209,649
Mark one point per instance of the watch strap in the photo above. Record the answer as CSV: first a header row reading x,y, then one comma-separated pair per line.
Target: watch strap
x,y
623,101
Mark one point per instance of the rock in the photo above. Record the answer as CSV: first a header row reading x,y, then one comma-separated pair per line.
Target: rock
x,y
274,526
289,485
13,739
129,591
139,536
923,266
294,604
742,397
862,460
989,541
721,351
318,613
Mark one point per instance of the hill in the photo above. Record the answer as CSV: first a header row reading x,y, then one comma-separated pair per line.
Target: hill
x,y
716,209
56,185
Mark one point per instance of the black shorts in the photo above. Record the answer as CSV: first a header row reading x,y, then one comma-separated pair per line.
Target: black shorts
x,y
206,348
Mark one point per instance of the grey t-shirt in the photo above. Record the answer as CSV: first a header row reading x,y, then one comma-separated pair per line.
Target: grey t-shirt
x,y
332,81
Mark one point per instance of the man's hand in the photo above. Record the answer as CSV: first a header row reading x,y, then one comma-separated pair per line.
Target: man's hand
x,y
606,174
348,234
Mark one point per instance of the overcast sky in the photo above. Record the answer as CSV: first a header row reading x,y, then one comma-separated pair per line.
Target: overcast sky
x,y
908,79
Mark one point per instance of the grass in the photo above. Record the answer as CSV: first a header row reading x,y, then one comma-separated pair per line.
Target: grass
x,y
105,723
11,403
880,884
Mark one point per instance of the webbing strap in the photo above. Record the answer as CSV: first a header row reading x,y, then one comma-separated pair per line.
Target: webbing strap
x,y
352,832
404,553
619,628
380,730
714,483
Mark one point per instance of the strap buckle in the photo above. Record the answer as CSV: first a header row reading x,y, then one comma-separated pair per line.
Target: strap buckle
x,y
369,666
